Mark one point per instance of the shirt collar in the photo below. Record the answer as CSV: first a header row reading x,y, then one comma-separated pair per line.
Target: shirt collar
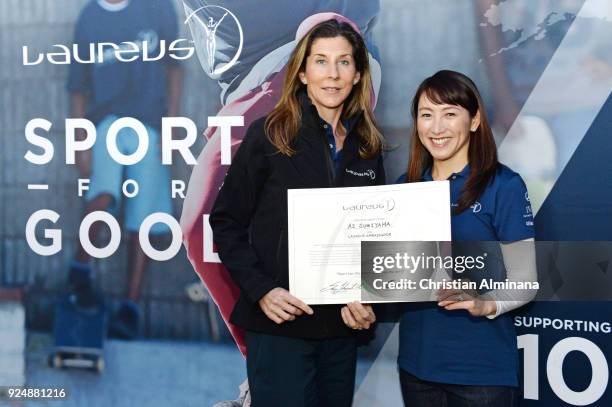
x,y
464,173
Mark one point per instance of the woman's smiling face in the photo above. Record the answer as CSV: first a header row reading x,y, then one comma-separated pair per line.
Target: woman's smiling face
x,y
444,130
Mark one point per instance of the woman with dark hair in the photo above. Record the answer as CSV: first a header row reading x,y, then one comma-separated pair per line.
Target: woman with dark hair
x,y
322,133
450,357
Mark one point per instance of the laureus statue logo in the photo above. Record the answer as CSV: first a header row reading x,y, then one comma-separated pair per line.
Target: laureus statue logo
x,y
217,52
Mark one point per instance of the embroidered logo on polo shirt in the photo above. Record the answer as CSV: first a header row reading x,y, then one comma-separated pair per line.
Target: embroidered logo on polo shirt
x,y
476,207
368,173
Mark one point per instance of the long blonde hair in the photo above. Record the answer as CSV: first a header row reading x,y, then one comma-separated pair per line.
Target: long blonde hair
x,y
283,123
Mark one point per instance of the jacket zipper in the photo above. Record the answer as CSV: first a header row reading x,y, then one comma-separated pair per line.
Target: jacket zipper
x,y
331,173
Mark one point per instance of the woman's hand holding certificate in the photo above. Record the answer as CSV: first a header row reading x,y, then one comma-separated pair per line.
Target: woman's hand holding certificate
x,y
459,299
357,315
280,306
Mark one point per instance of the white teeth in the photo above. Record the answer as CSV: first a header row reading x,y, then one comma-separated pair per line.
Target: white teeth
x,y
439,141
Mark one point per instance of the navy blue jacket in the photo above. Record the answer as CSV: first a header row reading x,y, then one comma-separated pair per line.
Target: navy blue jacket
x,y
249,217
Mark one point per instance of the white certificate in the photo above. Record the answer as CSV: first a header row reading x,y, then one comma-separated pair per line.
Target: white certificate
x,y
327,225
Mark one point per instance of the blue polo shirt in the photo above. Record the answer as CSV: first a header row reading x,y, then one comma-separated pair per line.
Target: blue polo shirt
x,y
452,346
336,154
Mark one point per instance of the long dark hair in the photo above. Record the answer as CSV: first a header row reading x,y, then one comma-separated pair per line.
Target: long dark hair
x,y
454,88
283,122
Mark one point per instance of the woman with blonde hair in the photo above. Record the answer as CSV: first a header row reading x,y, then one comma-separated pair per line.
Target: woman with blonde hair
x,y
322,133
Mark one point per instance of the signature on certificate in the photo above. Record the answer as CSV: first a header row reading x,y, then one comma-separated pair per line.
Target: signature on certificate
x,y
340,286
